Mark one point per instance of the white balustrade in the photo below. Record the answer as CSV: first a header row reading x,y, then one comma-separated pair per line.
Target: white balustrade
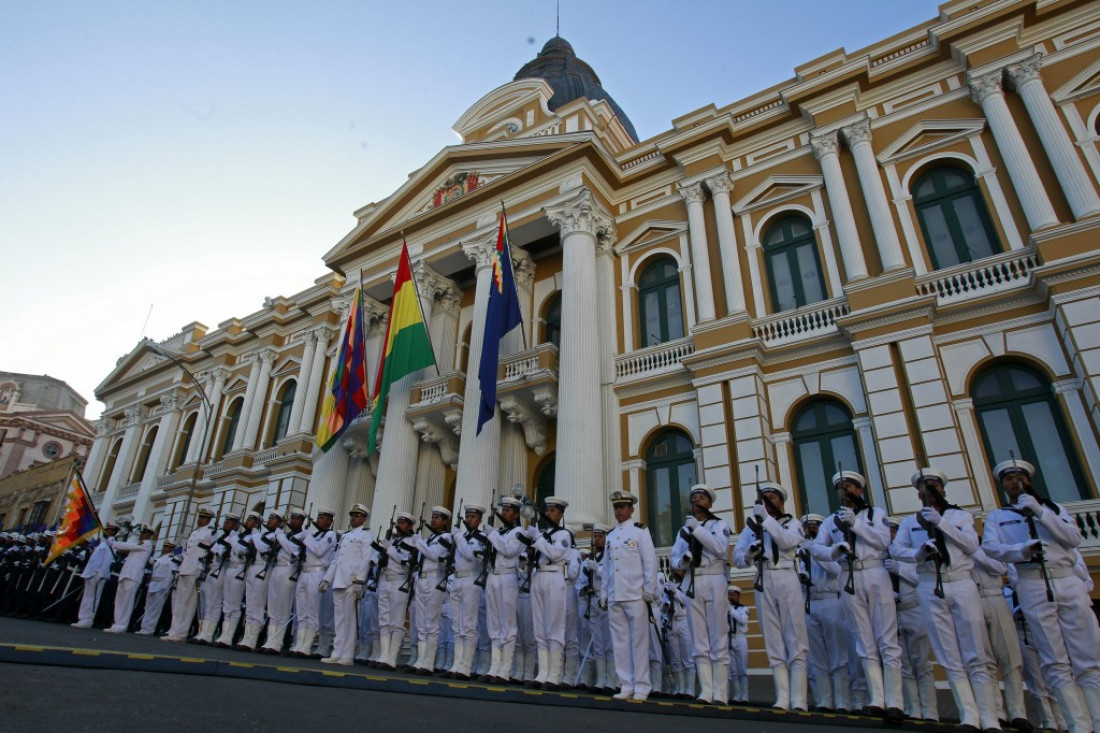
x,y
657,359
978,279
816,319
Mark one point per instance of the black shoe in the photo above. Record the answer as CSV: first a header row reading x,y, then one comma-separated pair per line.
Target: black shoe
x,y
968,728
873,711
1023,725
895,715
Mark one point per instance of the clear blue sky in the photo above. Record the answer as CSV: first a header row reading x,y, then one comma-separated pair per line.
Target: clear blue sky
x,y
198,156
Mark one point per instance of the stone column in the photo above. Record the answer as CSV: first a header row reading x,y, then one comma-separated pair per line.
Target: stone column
x,y
1070,390
246,404
302,393
871,464
858,137
93,465
259,397
986,91
124,461
1079,190
328,482
158,455
968,424
693,196
360,483
720,187
582,221
316,376
478,455
827,150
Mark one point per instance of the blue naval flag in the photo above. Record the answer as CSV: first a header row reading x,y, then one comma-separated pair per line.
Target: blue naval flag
x,y
501,316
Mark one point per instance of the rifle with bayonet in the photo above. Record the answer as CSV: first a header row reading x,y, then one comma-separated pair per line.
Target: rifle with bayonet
x,y
412,565
858,504
375,570
488,552
1037,555
449,567
757,529
930,498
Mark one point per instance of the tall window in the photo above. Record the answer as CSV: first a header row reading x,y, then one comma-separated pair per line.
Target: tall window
x,y
185,439
794,268
544,487
234,416
823,437
552,319
1017,412
953,217
659,303
109,464
143,455
669,476
286,402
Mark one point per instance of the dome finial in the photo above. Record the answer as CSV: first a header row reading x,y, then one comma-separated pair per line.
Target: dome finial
x,y
557,19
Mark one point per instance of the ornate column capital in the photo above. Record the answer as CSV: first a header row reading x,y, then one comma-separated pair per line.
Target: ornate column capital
x,y
825,144
692,193
858,133
219,374
582,213
1026,71
439,289
267,356
446,441
720,183
532,423
985,86
169,401
523,268
480,250
102,428
132,416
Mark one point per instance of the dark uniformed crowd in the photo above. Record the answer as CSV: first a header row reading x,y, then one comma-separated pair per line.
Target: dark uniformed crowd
x,y
854,608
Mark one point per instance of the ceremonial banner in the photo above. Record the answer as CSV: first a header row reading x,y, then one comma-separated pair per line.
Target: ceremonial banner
x,y
501,316
78,519
347,385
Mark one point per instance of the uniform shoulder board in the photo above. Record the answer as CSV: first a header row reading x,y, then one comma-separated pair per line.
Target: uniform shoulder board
x,y
871,514
727,531
639,525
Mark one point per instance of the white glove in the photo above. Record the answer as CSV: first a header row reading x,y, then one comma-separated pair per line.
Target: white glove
x,y
1030,504
846,515
648,597
925,551
533,532
602,603
759,512
891,565
756,549
591,565
357,591
930,515
457,531
1032,548
490,531
841,549
691,522
323,586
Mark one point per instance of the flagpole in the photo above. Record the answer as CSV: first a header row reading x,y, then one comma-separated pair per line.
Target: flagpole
x,y
512,267
420,307
363,338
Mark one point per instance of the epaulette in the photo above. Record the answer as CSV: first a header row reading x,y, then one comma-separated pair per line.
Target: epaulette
x,y
639,525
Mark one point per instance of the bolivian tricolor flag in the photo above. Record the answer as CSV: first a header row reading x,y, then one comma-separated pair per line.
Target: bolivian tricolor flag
x,y
347,386
406,347
78,520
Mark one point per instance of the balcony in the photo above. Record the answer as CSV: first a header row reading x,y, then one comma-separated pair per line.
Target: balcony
x,y
1087,516
128,491
654,360
972,280
527,390
801,324
435,411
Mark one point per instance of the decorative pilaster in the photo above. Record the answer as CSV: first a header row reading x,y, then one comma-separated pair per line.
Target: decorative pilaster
x,y
259,395
158,455
93,465
444,303
582,222
986,91
693,195
123,462
827,151
302,393
249,398
720,187
327,483
1079,190
321,335
858,137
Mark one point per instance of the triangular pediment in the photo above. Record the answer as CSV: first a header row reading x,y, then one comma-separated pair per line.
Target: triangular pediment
x,y
58,421
776,189
503,109
651,232
131,364
928,135
1084,83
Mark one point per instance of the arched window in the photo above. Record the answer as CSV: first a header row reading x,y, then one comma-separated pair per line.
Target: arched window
x,y
953,217
185,439
544,486
109,464
464,353
286,402
143,455
823,437
1017,412
669,476
794,268
234,417
552,321
659,304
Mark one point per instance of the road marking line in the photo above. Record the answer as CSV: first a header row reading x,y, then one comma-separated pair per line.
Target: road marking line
x,y
22,648
84,653
140,656
326,673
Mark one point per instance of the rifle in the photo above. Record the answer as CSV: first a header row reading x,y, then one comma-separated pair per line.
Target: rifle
x,y
533,515
374,572
1033,532
849,534
758,530
270,555
589,589
806,578
488,552
413,564
449,568
249,558
940,558
300,556
224,558
208,556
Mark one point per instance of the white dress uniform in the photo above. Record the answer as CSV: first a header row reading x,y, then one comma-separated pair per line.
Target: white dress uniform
x,y
129,578
1063,629
213,591
186,596
708,609
780,605
552,548
255,587
95,575
738,623
160,583
956,626
429,599
1004,644
501,593
315,553
368,627
918,680
233,585
674,625
629,570
465,597
572,617
599,629
280,590
392,601
1050,715
523,668
346,575
870,610
826,634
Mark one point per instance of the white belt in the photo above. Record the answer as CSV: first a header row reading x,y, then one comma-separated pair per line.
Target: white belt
x,y
947,577
282,563
393,574
465,573
1034,571
992,592
551,568
311,568
781,565
823,595
711,570
866,564
505,571
906,605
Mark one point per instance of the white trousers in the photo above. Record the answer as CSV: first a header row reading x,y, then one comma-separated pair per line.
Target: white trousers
x,y
429,609
501,592
232,595
89,602
124,603
185,600
255,597
708,615
307,599
280,596
391,605
629,621
956,628
343,645
464,603
826,635
212,597
873,617
1065,632
154,606
548,607
783,619
916,647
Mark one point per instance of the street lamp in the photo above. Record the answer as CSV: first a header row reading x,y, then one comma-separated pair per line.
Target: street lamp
x,y
155,348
